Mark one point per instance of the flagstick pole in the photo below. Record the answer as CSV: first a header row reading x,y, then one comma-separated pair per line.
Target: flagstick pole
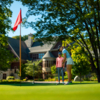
x,y
20,54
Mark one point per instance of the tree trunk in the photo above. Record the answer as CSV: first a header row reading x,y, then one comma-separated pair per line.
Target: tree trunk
x,y
98,75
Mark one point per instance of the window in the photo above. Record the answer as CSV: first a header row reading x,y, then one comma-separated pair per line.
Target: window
x,y
35,56
41,55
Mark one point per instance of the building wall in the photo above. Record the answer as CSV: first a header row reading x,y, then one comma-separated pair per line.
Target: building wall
x,y
36,56
46,64
46,67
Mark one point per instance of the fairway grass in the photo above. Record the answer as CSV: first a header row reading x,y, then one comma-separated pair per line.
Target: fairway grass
x,y
28,91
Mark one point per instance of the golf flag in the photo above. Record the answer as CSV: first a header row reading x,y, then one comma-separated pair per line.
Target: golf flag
x,y
18,21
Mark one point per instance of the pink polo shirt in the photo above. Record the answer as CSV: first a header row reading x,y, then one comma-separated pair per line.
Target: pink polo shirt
x,y
59,61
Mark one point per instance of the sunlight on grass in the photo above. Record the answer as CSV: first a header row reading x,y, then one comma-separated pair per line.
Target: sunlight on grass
x,y
77,91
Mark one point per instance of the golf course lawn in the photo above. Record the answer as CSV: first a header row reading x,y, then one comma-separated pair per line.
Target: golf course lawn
x,y
28,91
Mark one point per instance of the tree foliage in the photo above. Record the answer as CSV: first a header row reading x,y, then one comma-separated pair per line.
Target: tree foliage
x,y
5,25
5,14
33,70
6,57
81,65
53,69
62,19
23,74
23,38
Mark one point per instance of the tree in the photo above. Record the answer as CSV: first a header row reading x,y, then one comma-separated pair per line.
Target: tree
x,y
6,57
5,25
23,74
78,20
5,14
33,70
17,37
23,38
81,65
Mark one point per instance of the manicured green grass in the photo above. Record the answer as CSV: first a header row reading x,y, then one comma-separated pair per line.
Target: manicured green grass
x,y
28,91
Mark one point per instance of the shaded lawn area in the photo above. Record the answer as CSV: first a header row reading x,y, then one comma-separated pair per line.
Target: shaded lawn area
x,y
46,91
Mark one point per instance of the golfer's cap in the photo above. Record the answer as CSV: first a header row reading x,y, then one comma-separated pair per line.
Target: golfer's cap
x,y
59,47
59,53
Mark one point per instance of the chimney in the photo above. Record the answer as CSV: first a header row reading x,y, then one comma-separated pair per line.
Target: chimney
x,y
30,40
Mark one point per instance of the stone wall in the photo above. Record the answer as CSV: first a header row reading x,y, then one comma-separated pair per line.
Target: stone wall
x,y
8,73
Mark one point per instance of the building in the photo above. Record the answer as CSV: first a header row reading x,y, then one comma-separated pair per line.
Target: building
x,y
13,46
32,51
46,52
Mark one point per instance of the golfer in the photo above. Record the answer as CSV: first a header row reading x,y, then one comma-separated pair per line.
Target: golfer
x,y
59,66
69,63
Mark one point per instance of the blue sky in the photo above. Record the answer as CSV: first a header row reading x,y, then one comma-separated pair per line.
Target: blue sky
x,y
15,9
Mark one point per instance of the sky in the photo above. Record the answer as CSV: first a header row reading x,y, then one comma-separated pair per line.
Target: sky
x,y
15,8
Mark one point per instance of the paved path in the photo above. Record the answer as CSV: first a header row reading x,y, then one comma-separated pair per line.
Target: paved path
x,y
43,82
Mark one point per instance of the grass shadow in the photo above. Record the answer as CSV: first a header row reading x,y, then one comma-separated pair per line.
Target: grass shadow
x,y
29,84
44,84
82,83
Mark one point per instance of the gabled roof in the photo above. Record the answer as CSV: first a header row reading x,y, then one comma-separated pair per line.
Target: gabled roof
x,y
37,47
14,44
48,55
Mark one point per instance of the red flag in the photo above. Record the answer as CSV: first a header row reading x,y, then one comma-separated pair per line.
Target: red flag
x,y
18,21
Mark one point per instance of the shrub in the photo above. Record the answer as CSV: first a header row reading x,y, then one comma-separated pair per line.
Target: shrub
x,y
53,69
33,70
9,81
10,78
93,77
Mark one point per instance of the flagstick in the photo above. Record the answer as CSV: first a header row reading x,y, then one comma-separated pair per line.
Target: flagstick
x,y
19,21
20,54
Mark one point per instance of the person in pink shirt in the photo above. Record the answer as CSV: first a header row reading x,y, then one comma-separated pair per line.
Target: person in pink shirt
x,y
59,66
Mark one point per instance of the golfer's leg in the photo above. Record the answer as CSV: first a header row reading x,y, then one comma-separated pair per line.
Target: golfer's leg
x,y
62,71
69,67
58,75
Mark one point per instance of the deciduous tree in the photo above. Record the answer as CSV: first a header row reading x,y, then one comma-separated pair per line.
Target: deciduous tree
x,y
81,65
5,25
75,19
6,56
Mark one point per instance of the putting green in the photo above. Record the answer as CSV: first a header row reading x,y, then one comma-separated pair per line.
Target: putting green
x,y
28,91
